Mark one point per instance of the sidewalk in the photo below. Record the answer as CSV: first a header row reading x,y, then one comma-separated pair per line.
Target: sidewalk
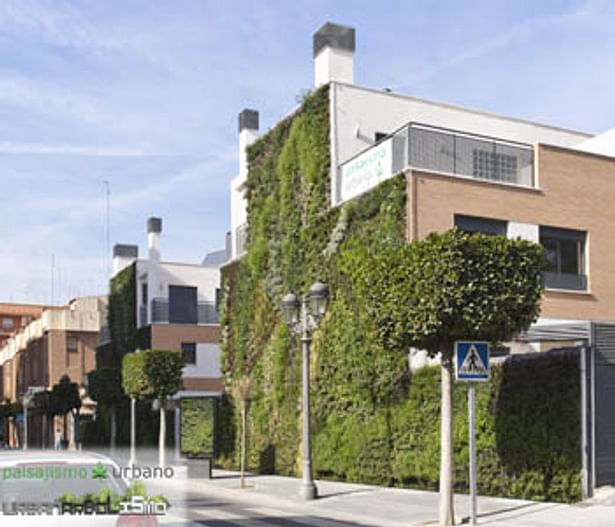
x,y
391,507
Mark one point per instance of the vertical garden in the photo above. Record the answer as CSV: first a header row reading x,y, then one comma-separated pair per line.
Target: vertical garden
x,y
371,421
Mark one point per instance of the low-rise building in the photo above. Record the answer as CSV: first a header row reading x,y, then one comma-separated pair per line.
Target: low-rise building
x,y
62,341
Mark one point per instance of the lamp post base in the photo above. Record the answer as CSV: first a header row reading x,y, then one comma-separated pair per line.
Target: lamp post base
x,y
308,490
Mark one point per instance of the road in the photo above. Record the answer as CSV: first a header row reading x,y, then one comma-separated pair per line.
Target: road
x,y
191,508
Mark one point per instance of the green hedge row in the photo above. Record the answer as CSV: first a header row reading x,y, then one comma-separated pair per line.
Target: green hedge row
x,y
371,421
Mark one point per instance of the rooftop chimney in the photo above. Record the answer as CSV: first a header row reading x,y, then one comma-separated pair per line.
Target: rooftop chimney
x,y
154,228
334,47
123,256
248,132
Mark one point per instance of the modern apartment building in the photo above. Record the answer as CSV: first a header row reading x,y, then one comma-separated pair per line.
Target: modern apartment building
x,y
471,169
61,341
488,173
175,307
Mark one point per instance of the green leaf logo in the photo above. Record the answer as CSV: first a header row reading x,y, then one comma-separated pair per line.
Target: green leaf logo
x,y
99,472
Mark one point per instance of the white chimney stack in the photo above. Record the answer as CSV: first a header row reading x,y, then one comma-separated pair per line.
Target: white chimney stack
x,y
154,228
123,256
334,47
248,133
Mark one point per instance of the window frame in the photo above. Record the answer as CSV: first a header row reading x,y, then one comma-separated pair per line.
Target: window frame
x,y
187,351
556,279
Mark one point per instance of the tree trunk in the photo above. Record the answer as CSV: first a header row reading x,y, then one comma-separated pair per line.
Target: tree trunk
x,y
113,431
163,432
242,483
64,431
446,513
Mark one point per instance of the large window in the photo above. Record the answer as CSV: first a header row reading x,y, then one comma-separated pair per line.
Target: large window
x,y
182,304
565,250
483,225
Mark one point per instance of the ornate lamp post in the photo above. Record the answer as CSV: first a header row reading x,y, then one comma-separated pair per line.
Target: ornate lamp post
x,y
305,320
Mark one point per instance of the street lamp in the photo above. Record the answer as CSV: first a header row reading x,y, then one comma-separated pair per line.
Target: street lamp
x,y
304,321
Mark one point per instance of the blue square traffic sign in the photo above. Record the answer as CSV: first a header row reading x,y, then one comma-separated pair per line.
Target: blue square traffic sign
x,y
472,361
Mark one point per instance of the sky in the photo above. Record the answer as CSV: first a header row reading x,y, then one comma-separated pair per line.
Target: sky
x,y
144,95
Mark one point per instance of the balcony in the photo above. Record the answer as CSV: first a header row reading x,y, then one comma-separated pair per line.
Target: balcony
x,y
241,237
435,149
206,313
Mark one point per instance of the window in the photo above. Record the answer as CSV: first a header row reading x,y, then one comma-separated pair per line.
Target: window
x,y
189,351
483,225
218,298
144,293
565,250
72,345
7,323
182,304
494,166
72,351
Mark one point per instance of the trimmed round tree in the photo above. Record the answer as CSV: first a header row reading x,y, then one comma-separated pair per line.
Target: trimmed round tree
x,y
105,387
154,374
452,286
65,398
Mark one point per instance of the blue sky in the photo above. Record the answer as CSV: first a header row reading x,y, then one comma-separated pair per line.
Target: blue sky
x,y
145,94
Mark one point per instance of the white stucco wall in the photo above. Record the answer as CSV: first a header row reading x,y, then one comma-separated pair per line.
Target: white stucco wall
x,y
207,361
603,144
525,231
372,110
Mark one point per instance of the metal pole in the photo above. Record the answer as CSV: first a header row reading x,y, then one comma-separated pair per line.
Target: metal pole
x,y
133,433
472,453
25,426
308,488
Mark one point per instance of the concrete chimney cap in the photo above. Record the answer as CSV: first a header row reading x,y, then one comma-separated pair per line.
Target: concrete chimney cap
x,y
125,251
334,36
248,119
154,225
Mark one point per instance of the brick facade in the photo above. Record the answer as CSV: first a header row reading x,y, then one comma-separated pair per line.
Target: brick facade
x,y
575,190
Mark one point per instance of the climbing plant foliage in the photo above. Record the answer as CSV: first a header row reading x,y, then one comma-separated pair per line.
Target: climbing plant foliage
x,y
371,421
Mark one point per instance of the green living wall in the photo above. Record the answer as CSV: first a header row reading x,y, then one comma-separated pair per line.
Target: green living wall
x,y
371,421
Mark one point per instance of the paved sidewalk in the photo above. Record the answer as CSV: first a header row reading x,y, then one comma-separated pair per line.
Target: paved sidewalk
x,y
369,505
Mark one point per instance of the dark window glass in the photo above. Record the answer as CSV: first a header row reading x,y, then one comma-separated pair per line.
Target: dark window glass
x,y
182,304
482,225
189,351
144,292
218,297
565,251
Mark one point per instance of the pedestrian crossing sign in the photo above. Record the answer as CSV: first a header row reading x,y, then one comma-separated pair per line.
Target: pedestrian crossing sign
x,y
472,361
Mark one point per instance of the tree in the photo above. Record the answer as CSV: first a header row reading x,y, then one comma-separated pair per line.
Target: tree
x,y
65,398
242,391
105,387
448,287
154,374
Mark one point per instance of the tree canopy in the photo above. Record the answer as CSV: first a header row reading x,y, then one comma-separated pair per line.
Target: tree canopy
x,y
152,373
105,386
453,286
64,396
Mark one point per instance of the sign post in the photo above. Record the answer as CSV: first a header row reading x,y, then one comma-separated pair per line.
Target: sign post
x,y
472,364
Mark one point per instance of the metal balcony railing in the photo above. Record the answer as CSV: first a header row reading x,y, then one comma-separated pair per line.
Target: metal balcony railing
x,y
437,149
206,312
142,315
241,237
